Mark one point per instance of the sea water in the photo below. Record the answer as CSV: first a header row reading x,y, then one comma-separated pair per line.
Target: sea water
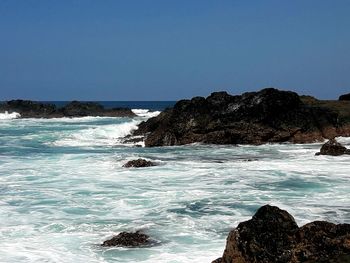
x,y
63,191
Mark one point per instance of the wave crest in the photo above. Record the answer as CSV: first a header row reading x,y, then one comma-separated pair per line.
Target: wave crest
x,y
104,135
145,113
8,116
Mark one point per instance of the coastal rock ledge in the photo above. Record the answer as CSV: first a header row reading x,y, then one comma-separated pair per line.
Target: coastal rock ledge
x,y
272,235
33,109
269,115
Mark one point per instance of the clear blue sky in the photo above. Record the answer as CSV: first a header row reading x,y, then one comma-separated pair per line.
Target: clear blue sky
x,y
167,50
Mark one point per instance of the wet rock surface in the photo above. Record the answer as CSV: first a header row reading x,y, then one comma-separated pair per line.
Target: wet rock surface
x,y
32,109
139,163
128,239
269,115
334,148
272,235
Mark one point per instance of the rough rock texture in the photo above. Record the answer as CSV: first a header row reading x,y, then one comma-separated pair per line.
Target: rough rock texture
x,y
332,147
32,109
345,97
139,163
126,239
269,115
273,236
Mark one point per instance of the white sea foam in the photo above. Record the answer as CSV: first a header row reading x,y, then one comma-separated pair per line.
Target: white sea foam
x,y
8,116
58,204
145,113
98,135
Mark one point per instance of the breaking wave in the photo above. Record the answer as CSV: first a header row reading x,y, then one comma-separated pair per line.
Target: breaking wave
x,y
145,113
8,116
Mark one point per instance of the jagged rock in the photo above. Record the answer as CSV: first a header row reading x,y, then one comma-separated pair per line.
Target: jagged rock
x,y
126,239
32,109
332,147
269,115
272,235
139,163
345,97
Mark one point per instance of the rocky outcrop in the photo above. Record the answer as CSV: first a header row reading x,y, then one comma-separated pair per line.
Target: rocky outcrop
x,y
126,239
269,115
32,109
272,235
29,109
334,148
139,163
345,97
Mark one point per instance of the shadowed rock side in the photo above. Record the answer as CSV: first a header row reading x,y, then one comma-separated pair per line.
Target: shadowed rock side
x,y
139,163
273,236
126,239
345,97
269,115
334,148
32,109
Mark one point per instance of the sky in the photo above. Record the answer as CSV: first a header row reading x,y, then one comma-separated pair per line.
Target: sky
x,y
168,50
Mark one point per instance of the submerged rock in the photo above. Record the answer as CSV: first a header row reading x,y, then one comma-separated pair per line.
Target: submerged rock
x,y
32,109
139,163
334,148
272,235
269,115
127,239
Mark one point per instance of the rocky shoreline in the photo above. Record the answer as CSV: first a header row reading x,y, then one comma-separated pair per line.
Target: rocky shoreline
x,y
266,116
32,109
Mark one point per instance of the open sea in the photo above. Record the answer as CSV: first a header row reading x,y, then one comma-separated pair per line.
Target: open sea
x,y
63,190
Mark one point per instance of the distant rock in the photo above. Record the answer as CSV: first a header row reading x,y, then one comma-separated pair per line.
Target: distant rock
x,y
32,109
334,148
126,239
269,115
345,97
29,109
272,235
139,163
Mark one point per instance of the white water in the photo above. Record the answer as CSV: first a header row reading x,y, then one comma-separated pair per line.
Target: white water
x,y
64,191
145,113
8,116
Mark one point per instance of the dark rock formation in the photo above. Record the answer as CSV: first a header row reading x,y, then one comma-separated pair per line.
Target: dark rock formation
x,y
139,163
76,108
29,109
332,147
345,97
32,109
126,239
273,236
269,115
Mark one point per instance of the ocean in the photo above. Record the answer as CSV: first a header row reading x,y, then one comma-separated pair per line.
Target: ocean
x,y
64,191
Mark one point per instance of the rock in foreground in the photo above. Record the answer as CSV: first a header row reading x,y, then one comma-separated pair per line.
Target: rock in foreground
x,y
272,235
139,163
126,239
334,148
269,115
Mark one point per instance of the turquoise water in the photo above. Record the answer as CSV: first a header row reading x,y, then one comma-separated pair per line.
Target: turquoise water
x,y
63,191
